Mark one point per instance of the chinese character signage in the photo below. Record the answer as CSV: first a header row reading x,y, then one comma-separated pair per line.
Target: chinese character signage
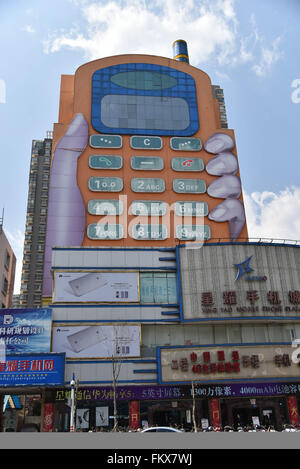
x,y
25,330
33,370
186,364
239,280
176,392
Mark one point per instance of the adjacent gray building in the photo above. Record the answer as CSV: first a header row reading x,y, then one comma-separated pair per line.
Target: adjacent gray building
x,y
35,228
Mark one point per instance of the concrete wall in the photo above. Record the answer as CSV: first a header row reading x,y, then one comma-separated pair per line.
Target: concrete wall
x,y
6,271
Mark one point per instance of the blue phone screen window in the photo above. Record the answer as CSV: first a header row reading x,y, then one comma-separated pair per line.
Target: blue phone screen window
x,y
144,99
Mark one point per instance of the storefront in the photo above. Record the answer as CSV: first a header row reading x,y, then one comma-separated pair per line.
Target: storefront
x,y
30,377
235,404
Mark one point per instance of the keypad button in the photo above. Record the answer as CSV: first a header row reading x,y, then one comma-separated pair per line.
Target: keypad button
x,y
186,143
105,141
145,142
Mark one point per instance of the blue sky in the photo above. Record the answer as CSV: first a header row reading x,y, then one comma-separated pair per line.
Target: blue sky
x,y
251,49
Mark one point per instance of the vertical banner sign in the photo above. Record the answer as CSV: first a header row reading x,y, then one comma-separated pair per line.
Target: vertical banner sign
x,y
134,415
215,413
293,410
48,417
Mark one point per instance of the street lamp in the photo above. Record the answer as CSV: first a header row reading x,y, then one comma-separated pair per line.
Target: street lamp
x,y
72,383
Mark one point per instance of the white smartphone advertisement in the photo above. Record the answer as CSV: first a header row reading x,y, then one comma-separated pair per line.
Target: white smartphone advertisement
x,y
113,287
97,341
82,419
102,417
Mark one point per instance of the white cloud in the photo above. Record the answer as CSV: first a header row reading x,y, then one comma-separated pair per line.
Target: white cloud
x,y
137,26
2,91
16,240
269,57
271,215
29,29
210,27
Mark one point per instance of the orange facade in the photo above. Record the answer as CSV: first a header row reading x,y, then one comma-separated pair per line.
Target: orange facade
x,y
75,97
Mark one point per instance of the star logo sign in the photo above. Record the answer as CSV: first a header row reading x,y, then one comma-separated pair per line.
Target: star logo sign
x,y
243,268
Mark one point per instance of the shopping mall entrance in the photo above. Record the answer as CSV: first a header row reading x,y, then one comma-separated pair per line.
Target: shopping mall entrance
x,y
250,412
174,413
169,414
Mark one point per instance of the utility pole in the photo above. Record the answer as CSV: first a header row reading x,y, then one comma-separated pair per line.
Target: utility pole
x,y
194,406
72,414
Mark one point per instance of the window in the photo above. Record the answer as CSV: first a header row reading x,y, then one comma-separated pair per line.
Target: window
x,y
7,260
158,287
4,285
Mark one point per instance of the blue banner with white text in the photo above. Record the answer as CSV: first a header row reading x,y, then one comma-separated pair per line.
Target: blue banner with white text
x,y
25,330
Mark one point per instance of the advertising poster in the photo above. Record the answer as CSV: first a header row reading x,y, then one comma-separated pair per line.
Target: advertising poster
x,y
48,417
82,419
25,330
226,362
102,417
293,410
76,287
46,369
97,341
134,415
204,424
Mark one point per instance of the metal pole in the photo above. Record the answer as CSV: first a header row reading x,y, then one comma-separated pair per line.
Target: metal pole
x,y
72,403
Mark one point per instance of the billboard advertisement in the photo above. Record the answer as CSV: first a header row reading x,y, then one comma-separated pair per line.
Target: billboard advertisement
x,y
97,341
141,103
227,362
25,330
241,280
85,287
43,369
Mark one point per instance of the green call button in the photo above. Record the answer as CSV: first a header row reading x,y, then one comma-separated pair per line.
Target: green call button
x,y
105,162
